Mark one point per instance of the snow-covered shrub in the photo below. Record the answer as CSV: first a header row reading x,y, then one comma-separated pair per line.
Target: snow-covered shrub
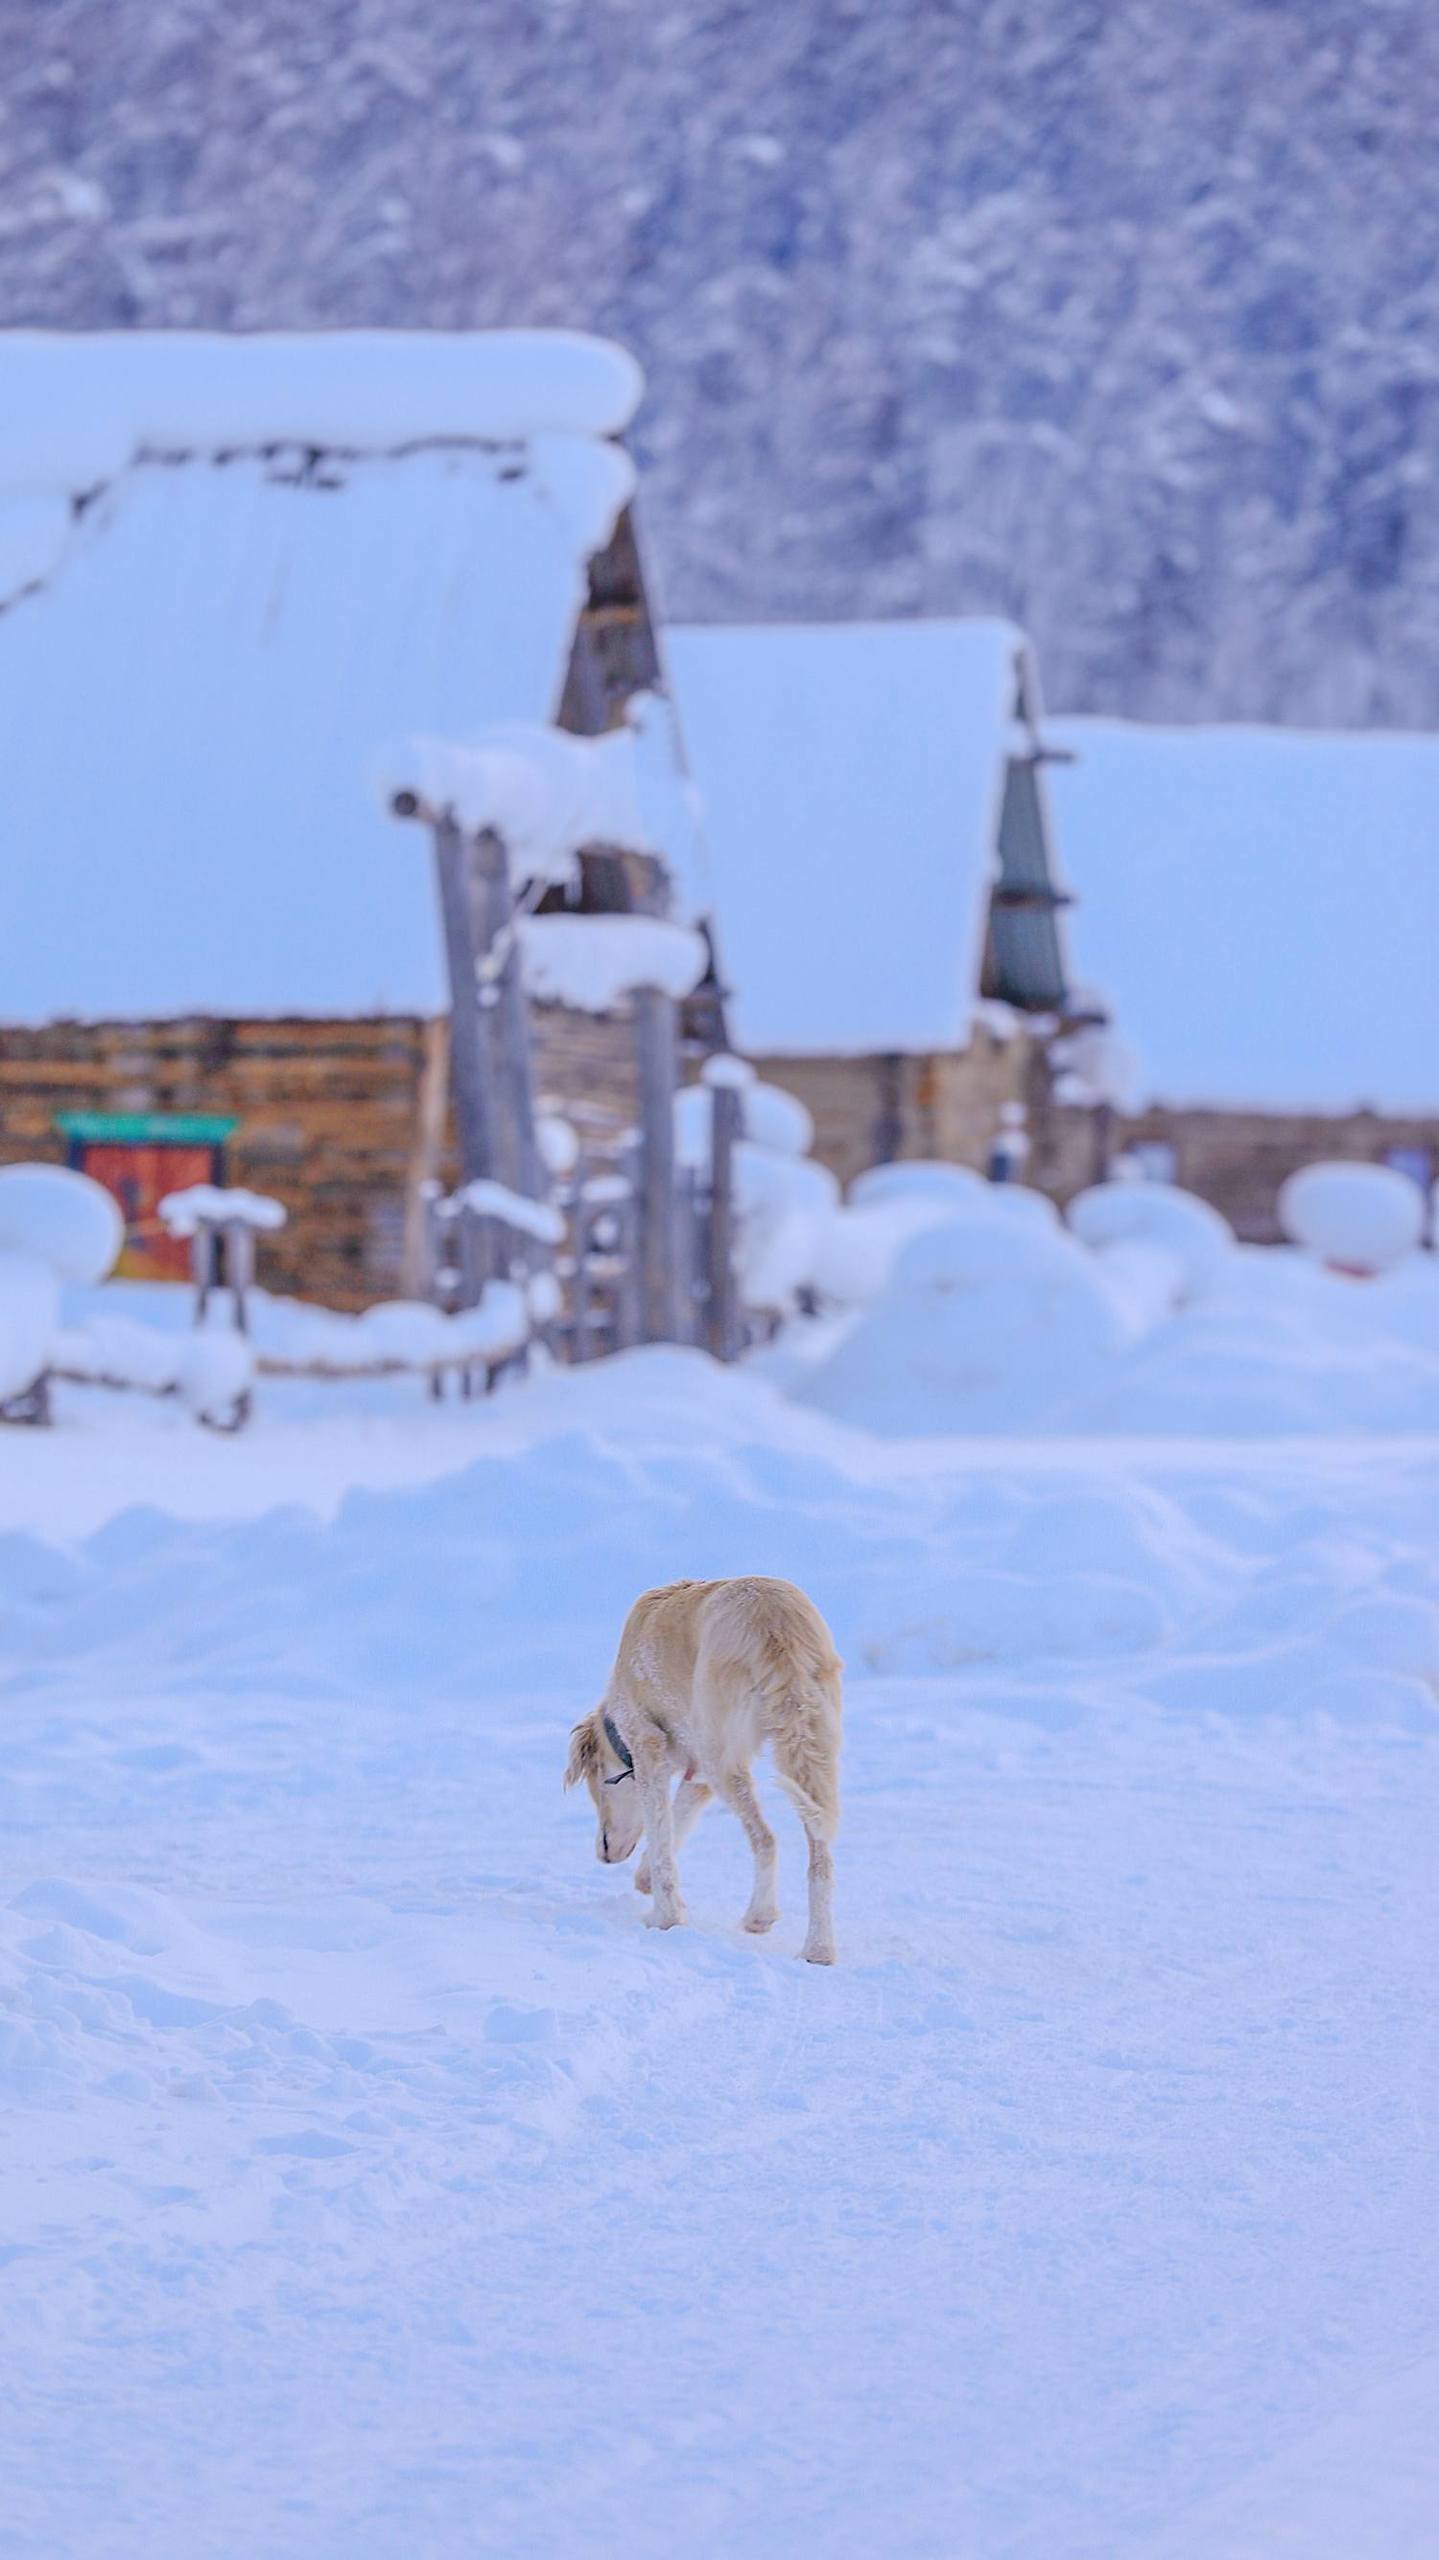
x,y
989,1322
1357,1218
68,1222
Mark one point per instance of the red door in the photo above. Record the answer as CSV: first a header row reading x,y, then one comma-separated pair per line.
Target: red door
x,y
140,1177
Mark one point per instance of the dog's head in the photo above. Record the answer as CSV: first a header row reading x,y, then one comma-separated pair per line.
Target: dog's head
x,y
613,1792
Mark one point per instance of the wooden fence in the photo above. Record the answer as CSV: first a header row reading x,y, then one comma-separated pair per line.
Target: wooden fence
x,y
647,1252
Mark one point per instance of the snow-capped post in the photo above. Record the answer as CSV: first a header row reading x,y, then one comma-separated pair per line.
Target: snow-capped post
x,y
469,1082
221,1225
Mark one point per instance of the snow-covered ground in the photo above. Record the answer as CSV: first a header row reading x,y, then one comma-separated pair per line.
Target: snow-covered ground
x,y
373,2181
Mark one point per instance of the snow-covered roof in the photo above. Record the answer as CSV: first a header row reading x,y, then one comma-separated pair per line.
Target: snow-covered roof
x,y
851,777
298,554
1260,907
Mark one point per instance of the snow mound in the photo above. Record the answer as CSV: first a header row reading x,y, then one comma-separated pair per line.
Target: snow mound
x,y
862,1243
1156,1213
917,1178
988,1323
29,1302
784,1205
1358,1218
71,1224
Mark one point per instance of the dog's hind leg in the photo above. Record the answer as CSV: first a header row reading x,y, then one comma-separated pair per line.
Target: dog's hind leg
x,y
691,1797
807,1765
737,1788
819,1947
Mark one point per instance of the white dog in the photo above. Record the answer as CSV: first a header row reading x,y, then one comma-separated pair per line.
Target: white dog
x,y
706,1673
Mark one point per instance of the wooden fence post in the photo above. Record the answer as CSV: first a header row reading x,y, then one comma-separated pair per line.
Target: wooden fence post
x,y
689,1254
657,1057
474,1114
726,1120
239,1271
629,1289
581,1227
202,1265
506,1018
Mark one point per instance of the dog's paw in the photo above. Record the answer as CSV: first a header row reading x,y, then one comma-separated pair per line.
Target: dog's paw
x,y
818,1951
644,1882
674,1918
758,1921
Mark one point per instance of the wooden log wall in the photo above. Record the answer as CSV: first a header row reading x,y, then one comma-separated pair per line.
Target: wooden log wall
x,y
1239,1159
341,1121
948,1107
868,1109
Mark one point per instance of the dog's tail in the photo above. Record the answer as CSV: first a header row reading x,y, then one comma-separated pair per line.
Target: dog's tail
x,y
768,1638
806,1754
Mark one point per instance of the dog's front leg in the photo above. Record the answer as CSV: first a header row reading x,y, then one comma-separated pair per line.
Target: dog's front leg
x,y
667,1910
691,1797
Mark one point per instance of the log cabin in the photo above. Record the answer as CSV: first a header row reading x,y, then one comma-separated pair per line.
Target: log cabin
x,y
236,575
885,882
1261,907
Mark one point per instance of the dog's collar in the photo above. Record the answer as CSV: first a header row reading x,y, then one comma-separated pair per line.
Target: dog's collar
x,y
620,1749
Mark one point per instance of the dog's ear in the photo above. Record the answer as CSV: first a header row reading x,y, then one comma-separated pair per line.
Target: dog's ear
x,y
584,1761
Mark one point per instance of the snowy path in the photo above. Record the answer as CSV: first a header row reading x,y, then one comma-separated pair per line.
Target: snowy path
x,y
375,2183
